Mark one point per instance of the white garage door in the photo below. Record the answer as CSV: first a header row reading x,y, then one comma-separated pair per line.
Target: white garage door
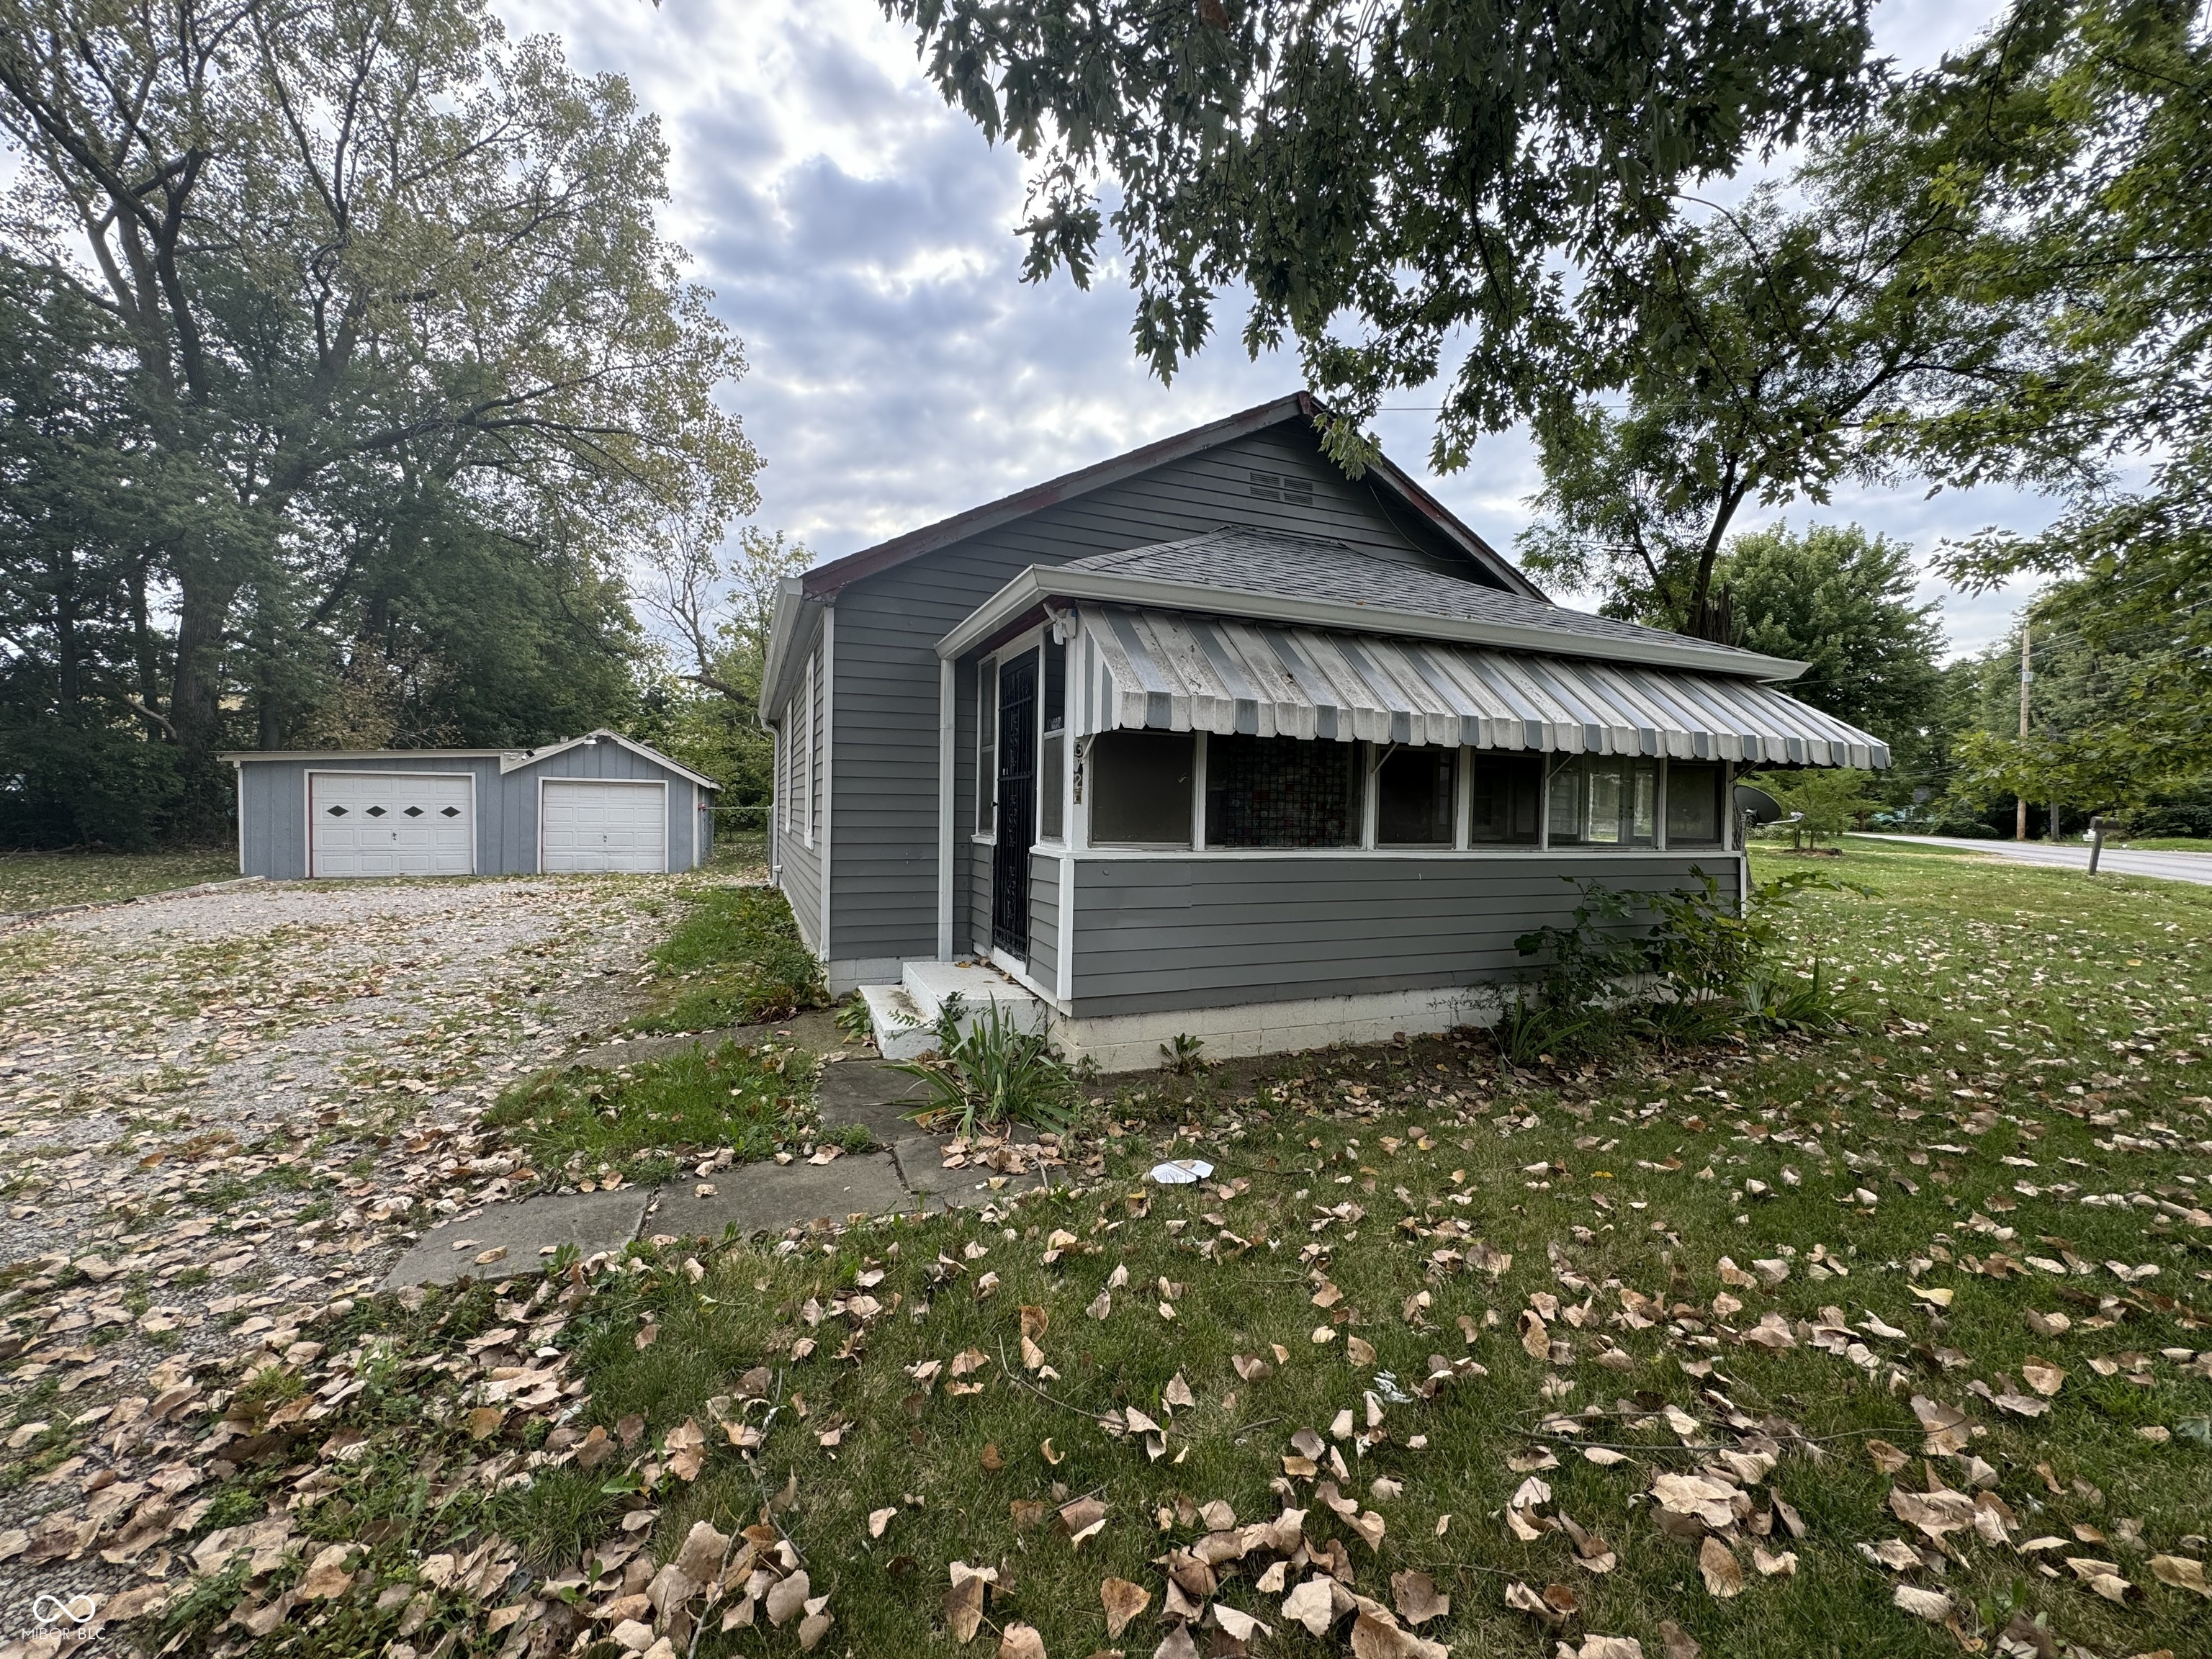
x,y
592,825
390,823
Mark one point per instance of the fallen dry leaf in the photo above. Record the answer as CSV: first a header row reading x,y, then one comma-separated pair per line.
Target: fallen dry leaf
x,y
1020,1641
1931,1605
964,1604
1678,1642
1414,1596
1723,1573
2180,1572
1123,1602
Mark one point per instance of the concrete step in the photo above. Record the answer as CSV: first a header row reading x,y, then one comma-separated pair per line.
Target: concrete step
x,y
931,985
902,1033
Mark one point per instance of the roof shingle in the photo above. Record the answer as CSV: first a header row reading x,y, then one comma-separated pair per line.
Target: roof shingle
x,y
1268,562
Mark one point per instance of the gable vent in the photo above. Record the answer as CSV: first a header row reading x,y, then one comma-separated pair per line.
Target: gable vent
x,y
1283,487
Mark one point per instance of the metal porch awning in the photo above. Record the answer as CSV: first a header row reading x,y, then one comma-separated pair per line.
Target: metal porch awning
x,y
1170,672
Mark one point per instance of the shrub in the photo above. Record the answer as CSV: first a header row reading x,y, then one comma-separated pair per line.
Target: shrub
x,y
1704,967
992,1072
86,785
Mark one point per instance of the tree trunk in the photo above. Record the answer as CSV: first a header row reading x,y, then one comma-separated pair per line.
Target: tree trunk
x,y
196,699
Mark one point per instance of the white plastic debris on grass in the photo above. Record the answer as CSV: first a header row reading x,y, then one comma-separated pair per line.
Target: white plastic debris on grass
x,y
1185,1172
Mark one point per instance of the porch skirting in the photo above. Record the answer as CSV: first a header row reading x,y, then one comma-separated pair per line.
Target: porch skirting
x,y
1131,1042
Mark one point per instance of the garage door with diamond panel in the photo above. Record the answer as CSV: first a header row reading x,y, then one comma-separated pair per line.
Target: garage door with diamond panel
x,y
390,823
589,826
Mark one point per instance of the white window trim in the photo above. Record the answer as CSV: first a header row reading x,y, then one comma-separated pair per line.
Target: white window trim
x,y
986,777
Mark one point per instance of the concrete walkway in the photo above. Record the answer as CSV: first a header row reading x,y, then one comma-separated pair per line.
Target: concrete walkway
x,y
909,1175
2167,867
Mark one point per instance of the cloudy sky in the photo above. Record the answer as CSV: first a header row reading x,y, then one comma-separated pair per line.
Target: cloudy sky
x,y
858,235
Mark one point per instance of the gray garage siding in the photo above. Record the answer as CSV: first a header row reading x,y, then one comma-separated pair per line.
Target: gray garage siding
x,y
273,808
1154,934
888,625
272,805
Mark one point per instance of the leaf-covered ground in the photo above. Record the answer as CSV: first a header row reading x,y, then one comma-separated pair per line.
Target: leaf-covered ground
x,y
34,881
1893,1341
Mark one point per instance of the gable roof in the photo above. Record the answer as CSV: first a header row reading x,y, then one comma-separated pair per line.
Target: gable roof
x,y
1301,406
515,760
1315,581
510,760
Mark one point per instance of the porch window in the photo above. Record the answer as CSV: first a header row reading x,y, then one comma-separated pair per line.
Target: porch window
x,y
1693,805
986,747
1140,788
1604,800
1282,791
1052,757
1413,802
1507,796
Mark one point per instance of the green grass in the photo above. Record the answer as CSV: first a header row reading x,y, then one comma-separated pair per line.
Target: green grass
x,y
2165,844
33,881
734,959
1595,1179
752,1099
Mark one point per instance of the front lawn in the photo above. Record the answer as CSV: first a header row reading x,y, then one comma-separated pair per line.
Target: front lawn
x,y
1886,1342
581,1122
34,881
734,959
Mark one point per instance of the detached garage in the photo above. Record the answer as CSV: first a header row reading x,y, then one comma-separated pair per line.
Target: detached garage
x,y
594,804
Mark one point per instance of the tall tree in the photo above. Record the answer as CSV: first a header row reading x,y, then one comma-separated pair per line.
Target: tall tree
x,y
363,248
1419,172
1776,352
717,604
2095,119
1843,601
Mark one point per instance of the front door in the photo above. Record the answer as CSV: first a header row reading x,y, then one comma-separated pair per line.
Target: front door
x,y
1010,863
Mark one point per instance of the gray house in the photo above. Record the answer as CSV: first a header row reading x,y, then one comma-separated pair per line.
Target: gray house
x,y
599,802
1210,738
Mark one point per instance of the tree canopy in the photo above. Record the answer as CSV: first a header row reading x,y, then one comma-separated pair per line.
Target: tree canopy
x,y
401,366
1386,181
1841,600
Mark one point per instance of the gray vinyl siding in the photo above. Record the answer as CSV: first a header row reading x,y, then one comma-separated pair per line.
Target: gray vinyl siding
x,y
272,802
978,940
1156,934
886,666
798,866
1044,918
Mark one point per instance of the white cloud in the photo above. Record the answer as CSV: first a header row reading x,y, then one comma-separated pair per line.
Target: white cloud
x,y
859,236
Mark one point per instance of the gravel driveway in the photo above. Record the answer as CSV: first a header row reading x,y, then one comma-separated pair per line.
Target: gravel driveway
x,y
219,1114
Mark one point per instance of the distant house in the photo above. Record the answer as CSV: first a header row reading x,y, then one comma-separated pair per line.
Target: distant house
x,y
1210,738
601,802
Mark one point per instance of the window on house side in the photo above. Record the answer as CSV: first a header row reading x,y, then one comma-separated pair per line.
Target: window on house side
x,y
1282,791
1605,800
1140,788
1413,797
1507,791
1693,805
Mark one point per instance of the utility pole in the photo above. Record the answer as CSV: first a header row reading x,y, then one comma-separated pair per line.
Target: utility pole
x,y
2026,678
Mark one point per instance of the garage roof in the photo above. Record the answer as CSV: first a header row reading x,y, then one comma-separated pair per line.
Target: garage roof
x,y
510,760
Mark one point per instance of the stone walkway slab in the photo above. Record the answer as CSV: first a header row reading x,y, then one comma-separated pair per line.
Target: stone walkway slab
x,y
754,1196
592,1222
871,1093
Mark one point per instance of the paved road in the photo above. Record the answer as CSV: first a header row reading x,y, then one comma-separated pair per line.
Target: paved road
x,y
2168,867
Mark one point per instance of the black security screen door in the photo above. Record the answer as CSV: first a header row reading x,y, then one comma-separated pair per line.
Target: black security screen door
x,y
1010,864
